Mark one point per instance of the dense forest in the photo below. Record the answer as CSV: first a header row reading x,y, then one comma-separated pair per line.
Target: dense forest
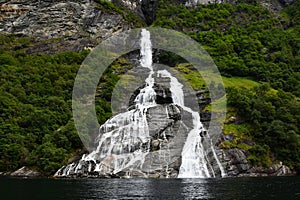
x,y
257,52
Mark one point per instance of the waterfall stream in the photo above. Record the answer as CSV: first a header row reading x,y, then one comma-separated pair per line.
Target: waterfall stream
x,y
194,162
124,141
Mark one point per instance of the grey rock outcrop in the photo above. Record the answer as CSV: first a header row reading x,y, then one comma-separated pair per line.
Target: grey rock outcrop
x,y
76,24
25,172
144,9
168,126
239,166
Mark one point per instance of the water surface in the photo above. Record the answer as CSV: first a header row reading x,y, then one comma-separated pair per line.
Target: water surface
x,y
227,188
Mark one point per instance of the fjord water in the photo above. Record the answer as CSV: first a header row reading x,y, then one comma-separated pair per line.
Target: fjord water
x,y
225,188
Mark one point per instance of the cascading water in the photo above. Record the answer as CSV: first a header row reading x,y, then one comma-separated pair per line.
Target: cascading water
x,y
194,161
125,145
123,139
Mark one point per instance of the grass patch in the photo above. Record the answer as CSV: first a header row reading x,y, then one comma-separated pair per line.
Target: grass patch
x,y
240,133
197,82
191,75
239,82
219,105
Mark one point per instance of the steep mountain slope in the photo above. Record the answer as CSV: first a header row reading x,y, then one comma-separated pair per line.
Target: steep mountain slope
x,y
256,50
68,25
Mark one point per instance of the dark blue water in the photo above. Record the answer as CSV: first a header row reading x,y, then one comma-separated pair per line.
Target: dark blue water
x,y
228,188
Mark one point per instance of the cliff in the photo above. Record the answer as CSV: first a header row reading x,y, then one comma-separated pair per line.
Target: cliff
x,y
63,25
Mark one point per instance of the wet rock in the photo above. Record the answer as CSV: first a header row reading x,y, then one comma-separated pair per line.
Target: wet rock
x,y
174,112
205,116
167,130
163,94
228,137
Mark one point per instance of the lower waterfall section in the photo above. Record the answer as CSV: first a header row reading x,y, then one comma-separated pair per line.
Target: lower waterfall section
x,y
132,148
195,163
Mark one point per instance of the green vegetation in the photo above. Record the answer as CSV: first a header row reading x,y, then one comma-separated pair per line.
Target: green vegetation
x,y
36,125
274,117
244,40
257,53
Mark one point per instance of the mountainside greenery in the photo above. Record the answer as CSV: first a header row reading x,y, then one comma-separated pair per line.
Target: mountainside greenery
x,y
257,52
250,44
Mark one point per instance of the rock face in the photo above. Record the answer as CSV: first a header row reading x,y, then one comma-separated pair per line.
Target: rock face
x,y
239,166
76,23
149,9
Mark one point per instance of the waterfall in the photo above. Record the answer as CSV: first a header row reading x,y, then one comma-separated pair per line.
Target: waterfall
x,y
146,50
126,135
194,163
124,141
146,97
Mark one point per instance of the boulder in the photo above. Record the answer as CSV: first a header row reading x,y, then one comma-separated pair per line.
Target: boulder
x,y
25,172
238,166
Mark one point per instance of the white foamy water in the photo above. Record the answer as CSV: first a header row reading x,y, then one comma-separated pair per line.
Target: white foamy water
x,y
194,160
124,140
